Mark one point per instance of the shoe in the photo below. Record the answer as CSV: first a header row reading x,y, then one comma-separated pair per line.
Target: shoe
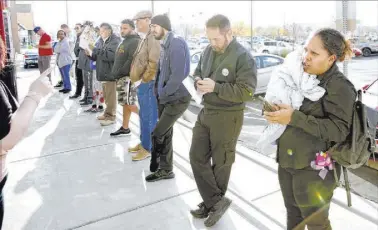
x,y
107,122
100,109
135,148
66,91
120,132
59,84
62,90
217,211
141,155
74,96
201,213
101,117
91,109
161,174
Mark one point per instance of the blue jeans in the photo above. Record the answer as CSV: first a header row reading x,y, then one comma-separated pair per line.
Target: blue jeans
x,y
148,112
65,72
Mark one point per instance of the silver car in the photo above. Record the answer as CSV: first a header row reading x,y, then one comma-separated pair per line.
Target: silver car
x,y
265,64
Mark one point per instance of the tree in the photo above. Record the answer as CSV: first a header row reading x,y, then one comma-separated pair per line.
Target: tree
x,y
241,29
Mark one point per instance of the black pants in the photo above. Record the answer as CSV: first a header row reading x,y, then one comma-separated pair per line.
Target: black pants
x,y
162,147
79,79
212,152
2,184
307,197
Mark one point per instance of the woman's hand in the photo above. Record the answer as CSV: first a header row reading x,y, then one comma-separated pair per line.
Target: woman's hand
x,y
282,116
41,86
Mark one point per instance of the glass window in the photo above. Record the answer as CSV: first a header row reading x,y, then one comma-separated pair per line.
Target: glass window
x,y
270,61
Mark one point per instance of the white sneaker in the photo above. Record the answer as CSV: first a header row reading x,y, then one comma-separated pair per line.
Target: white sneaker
x,y
107,122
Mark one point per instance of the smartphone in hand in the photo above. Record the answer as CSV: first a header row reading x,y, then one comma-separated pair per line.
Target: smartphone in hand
x,y
266,105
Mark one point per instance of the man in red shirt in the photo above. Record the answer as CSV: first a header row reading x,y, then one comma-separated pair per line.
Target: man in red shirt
x,y
45,50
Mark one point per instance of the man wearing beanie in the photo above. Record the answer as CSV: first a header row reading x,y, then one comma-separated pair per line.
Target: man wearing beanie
x,y
172,96
143,71
226,75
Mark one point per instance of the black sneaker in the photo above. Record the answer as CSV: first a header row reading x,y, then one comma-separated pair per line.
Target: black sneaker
x,y
60,84
200,213
217,211
100,109
74,96
91,109
120,132
160,175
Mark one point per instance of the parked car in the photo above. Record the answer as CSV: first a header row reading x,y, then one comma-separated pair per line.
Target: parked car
x,y
274,47
30,58
368,48
265,64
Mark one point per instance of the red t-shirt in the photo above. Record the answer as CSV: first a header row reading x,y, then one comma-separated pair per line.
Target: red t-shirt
x,y
44,39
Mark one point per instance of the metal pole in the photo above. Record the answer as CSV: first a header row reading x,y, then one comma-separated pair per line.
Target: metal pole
x,y
152,7
345,31
67,13
251,26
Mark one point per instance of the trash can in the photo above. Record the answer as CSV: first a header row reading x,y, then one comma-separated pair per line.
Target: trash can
x,y
8,76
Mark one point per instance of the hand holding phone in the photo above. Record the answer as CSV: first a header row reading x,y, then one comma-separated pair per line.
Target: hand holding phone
x,y
267,106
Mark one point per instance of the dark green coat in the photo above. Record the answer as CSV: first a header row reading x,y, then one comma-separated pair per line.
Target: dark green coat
x,y
317,125
235,77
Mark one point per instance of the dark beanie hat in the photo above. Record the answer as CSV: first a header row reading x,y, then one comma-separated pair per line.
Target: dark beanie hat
x,y
163,21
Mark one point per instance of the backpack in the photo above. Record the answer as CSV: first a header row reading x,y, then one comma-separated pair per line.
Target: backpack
x,y
359,145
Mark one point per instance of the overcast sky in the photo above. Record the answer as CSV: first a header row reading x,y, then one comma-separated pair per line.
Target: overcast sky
x,y
50,14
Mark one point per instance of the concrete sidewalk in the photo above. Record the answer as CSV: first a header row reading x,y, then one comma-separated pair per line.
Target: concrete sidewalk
x,y
69,174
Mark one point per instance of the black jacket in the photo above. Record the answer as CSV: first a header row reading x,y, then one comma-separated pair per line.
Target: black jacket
x,y
318,124
124,56
104,55
235,77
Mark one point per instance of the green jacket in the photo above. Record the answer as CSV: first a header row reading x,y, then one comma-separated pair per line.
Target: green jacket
x,y
235,77
317,125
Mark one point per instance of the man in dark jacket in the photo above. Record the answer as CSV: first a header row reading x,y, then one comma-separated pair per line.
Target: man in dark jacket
x,y
226,74
78,71
121,72
172,97
104,55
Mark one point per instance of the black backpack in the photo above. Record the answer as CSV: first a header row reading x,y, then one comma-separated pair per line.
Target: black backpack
x,y
359,145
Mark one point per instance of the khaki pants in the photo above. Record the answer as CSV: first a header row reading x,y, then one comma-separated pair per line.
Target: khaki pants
x,y
110,97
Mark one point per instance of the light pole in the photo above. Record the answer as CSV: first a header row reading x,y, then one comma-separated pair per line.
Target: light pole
x,y
67,13
251,25
345,31
152,7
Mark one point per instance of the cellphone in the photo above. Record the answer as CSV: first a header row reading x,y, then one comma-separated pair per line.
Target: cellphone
x,y
266,105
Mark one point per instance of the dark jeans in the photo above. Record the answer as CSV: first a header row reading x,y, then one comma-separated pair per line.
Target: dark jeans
x,y
162,135
212,152
307,197
79,79
2,183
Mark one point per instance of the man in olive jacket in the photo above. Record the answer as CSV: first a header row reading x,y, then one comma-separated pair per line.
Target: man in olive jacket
x,y
226,74
104,55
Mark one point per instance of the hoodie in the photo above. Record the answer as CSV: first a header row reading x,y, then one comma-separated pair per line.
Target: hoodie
x,y
124,56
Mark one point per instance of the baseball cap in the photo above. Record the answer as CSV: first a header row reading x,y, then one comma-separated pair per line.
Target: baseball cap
x,y
143,14
36,29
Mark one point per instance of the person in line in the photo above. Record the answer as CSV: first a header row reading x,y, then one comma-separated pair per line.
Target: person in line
x,y
314,128
226,74
104,55
78,71
15,120
88,34
72,40
121,73
143,71
172,96
64,60
45,50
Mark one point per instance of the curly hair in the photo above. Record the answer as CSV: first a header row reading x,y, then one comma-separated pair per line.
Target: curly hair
x,y
335,43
